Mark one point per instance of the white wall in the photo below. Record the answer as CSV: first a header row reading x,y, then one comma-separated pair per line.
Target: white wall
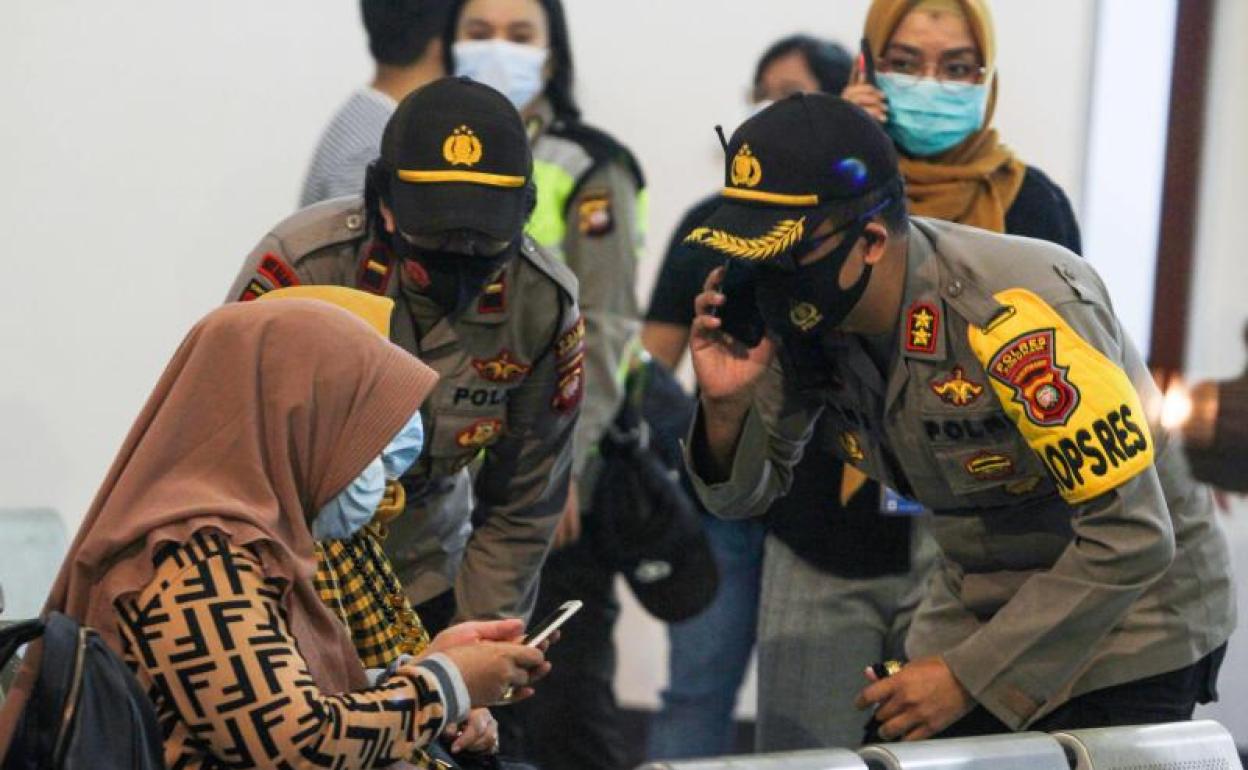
x,y
146,146
1126,151
1215,347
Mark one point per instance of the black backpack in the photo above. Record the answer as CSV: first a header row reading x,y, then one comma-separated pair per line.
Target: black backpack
x,y
644,520
87,709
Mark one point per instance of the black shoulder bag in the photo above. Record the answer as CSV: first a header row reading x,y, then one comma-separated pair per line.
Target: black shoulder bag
x,y
87,709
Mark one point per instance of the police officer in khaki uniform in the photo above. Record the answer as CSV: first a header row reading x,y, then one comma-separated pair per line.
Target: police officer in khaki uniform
x,y
1085,581
440,231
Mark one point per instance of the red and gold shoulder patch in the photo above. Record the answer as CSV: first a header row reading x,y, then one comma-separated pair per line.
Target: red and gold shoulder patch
x,y
1028,366
956,389
595,216
480,433
922,326
493,297
504,368
271,274
570,368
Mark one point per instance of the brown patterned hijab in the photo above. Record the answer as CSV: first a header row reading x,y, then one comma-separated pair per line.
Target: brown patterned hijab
x,y
266,412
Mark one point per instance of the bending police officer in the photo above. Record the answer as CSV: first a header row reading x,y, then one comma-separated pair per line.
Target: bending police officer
x,y
439,230
986,376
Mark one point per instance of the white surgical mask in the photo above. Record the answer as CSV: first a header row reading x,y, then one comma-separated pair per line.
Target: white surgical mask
x,y
513,69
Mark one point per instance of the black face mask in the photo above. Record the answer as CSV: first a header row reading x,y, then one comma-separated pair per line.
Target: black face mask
x,y
450,278
809,301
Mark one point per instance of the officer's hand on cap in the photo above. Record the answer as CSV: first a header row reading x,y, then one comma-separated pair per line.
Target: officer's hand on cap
x,y
726,369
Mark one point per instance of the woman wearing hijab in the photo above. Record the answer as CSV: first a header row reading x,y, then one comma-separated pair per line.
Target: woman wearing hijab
x,y
273,425
935,93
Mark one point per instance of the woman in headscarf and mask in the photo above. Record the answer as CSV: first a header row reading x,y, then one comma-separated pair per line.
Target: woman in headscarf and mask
x,y
935,93
274,423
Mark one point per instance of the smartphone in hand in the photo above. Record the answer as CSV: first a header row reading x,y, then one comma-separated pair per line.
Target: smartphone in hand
x,y
739,312
549,624
866,61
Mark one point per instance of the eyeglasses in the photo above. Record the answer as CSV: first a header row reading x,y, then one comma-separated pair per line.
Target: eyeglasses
x,y
952,72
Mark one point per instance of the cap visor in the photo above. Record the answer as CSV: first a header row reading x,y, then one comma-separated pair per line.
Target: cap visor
x,y
753,232
426,208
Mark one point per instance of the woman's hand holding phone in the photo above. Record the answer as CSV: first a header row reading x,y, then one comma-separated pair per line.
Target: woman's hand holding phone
x,y
862,90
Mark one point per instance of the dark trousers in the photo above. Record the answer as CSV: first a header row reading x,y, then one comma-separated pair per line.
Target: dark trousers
x,y
572,723
1168,697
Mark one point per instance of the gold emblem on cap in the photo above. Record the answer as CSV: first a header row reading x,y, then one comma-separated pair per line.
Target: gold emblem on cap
x,y
805,316
781,238
462,147
746,170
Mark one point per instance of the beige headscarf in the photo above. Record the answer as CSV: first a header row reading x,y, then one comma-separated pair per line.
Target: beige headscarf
x,y
265,413
976,182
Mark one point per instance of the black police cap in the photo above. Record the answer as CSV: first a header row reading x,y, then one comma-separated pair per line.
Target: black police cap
x,y
785,165
456,156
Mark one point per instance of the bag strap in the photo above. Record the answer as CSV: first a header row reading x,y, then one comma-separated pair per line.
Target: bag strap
x,y
59,685
14,636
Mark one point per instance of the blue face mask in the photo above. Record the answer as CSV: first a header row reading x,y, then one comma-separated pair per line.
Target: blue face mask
x,y
354,506
926,118
404,448
513,69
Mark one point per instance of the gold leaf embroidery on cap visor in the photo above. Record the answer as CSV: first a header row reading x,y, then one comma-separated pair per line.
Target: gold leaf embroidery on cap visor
x,y
780,239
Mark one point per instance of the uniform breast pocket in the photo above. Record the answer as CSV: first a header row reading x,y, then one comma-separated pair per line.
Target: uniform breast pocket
x,y
991,468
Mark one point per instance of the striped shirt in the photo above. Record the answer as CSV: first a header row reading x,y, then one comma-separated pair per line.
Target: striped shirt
x,y
350,142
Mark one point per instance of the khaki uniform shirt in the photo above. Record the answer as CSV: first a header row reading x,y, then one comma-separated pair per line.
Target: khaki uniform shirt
x,y
507,402
1078,551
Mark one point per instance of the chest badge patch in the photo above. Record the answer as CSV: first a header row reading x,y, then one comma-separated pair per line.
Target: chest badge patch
x,y
956,389
852,447
922,326
503,369
804,316
479,434
1027,365
989,466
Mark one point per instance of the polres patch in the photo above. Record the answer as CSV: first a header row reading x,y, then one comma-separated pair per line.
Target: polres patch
x,y
570,368
595,216
1078,410
1028,365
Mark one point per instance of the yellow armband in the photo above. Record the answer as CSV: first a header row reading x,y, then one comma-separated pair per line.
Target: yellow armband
x,y
1077,409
